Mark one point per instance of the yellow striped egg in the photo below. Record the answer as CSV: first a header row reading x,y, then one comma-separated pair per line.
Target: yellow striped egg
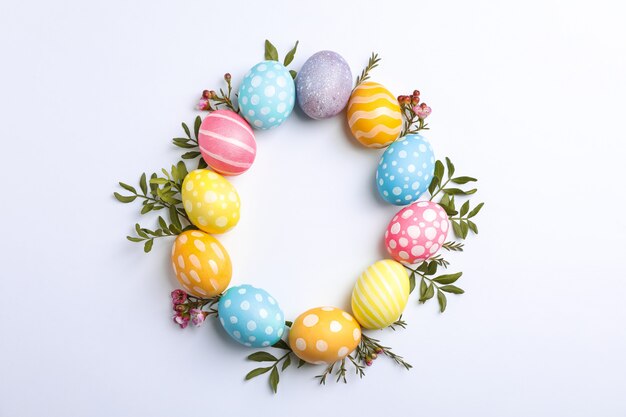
x,y
201,264
374,115
211,202
380,294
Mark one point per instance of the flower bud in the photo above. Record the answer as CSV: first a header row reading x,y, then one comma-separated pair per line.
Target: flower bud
x,y
206,94
227,77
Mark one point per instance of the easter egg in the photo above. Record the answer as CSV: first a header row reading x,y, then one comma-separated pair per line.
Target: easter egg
x,y
251,316
201,264
324,335
417,232
211,202
323,85
374,115
405,170
267,95
380,294
227,142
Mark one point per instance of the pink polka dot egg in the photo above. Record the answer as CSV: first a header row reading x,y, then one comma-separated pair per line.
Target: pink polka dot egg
x,y
227,142
417,232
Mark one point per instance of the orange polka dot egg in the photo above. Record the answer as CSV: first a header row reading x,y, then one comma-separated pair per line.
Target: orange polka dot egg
x,y
201,264
211,202
324,335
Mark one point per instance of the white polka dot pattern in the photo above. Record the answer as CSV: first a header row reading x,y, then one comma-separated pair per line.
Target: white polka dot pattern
x,y
417,232
324,335
267,95
249,317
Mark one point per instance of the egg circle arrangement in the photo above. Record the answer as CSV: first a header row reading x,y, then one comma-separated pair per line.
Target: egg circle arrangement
x,y
202,203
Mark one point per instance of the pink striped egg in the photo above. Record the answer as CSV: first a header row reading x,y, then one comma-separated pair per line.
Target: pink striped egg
x,y
227,142
417,232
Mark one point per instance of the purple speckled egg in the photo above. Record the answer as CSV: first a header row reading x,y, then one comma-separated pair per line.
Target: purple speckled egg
x,y
323,85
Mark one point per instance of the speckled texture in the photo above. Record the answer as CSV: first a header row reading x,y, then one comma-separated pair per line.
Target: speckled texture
x,y
323,85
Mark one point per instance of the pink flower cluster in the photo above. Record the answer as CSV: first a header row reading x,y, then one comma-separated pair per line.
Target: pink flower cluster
x,y
186,311
422,111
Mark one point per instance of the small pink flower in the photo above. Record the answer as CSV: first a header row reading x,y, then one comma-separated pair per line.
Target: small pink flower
x,y
197,316
422,111
203,104
181,319
178,297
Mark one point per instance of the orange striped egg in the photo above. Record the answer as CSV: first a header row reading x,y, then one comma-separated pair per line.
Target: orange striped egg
x,y
201,264
226,142
374,115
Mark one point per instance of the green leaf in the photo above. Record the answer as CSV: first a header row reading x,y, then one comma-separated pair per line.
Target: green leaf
x,y
186,129
143,184
134,239
147,208
196,126
281,344
449,210
475,210
175,229
453,289
256,372
439,169
288,323
411,282
159,181
271,53
293,74
140,231
443,302
162,223
464,229
202,163
183,143
124,198
291,54
457,229
463,180
174,217
182,170
262,357
472,226
448,278
301,363
450,166
433,185
286,363
128,188
274,379
430,291
190,155
464,209
423,288
147,247
432,268
458,191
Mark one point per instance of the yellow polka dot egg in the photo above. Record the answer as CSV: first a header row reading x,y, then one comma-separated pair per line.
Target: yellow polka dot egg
x,y
324,335
380,294
201,264
211,202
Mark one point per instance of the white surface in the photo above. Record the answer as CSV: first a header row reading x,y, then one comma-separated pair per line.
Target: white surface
x,y
527,96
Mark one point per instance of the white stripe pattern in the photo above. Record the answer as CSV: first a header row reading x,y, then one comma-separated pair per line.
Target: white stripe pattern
x,y
372,114
226,139
244,125
369,99
226,160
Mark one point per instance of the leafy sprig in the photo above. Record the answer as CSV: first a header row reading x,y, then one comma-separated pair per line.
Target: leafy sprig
x,y
191,143
271,54
365,74
159,193
429,285
453,246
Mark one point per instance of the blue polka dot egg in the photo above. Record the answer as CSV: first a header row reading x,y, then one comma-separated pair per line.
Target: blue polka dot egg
x,y
405,170
251,316
267,95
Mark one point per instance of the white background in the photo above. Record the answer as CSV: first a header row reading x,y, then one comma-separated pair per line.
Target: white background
x,y
527,96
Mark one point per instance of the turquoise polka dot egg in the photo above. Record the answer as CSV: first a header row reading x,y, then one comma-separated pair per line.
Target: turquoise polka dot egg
x,y
267,95
251,316
405,170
